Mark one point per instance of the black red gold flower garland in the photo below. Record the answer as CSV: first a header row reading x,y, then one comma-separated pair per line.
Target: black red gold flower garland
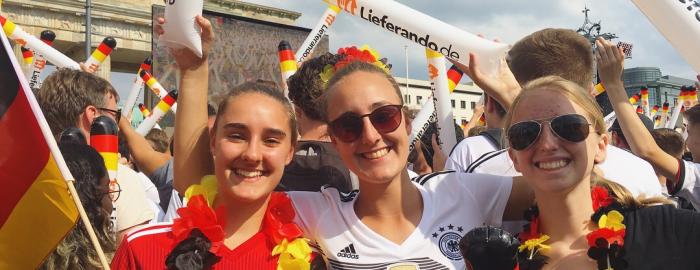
x,y
293,250
605,243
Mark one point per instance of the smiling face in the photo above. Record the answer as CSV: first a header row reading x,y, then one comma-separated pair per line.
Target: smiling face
x,y
552,164
375,157
251,145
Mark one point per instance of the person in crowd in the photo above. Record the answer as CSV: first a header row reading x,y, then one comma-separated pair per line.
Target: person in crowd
x,y
671,142
72,98
475,131
158,140
567,54
682,177
391,220
617,137
316,163
556,135
148,160
250,145
92,183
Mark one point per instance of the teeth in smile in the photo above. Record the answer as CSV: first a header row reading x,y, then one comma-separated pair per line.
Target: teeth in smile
x,y
245,173
552,164
376,154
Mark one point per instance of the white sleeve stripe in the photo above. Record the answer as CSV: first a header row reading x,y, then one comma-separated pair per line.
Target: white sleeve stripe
x,y
147,232
483,158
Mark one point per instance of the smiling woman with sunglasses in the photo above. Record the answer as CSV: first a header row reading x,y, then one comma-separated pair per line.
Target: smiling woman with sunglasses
x,y
393,221
582,221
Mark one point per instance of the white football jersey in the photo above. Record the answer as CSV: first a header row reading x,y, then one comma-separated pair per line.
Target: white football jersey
x,y
453,204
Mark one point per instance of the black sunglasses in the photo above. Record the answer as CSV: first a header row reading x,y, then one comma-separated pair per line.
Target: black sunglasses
x,y
569,127
348,127
116,113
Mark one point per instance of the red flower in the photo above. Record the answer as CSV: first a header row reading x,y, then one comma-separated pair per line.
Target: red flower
x,y
600,197
354,54
609,235
198,215
279,218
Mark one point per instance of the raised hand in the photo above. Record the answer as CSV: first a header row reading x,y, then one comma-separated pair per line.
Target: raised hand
x,y
184,57
611,62
503,86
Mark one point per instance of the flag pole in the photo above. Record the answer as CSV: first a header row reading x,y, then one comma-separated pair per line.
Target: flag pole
x,y
53,148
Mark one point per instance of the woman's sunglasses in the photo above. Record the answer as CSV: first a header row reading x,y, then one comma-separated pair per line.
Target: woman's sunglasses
x,y
569,127
348,127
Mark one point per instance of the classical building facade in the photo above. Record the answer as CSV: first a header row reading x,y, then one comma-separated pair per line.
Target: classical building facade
x,y
129,21
463,99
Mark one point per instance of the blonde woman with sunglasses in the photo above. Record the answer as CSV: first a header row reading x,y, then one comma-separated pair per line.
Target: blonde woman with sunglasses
x,y
556,135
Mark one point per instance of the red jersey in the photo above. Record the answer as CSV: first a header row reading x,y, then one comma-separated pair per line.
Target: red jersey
x,y
147,248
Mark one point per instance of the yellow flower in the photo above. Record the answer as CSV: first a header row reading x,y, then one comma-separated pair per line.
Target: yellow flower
x,y
293,255
327,73
288,262
207,187
613,220
536,243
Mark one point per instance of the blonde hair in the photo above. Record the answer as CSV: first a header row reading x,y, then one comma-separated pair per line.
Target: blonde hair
x,y
570,90
578,95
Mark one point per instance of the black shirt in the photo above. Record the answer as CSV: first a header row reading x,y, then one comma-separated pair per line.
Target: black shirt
x,y
662,237
315,164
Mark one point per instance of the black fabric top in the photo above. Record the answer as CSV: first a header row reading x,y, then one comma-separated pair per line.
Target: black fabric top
x,y
315,164
662,237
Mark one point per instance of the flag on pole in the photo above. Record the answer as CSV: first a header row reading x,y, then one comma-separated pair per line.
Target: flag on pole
x,y
37,210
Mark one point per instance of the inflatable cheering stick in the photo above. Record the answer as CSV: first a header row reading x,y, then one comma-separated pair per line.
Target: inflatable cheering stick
x,y
28,55
16,33
158,112
317,33
288,65
103,137
489,248
72,135
101,53
136,88
454,75
144,111
47,36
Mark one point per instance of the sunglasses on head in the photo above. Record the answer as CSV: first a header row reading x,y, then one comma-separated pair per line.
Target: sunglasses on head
x,y
348,127
569,127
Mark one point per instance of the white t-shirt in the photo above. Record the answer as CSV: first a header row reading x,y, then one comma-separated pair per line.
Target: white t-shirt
x,y
453,204
620,166
132,207
467,151
688,186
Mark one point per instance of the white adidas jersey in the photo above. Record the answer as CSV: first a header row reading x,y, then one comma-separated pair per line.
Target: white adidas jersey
x,y
454,203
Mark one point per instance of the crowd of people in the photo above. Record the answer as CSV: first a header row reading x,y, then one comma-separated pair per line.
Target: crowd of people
x,y
323,178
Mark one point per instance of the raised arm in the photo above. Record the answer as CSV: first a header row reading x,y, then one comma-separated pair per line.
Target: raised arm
x,y
610,65
192,157
147,159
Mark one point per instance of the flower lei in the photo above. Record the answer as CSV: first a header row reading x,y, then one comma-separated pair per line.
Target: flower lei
x,y
351,54
605,243
293,251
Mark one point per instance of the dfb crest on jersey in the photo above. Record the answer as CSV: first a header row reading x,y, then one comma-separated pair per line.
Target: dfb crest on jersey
x,y
448,241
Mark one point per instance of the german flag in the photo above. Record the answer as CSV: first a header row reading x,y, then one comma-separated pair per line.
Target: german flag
x,y
37,210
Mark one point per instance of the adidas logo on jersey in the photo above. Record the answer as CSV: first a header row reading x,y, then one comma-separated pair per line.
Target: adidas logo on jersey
x,y
348,252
